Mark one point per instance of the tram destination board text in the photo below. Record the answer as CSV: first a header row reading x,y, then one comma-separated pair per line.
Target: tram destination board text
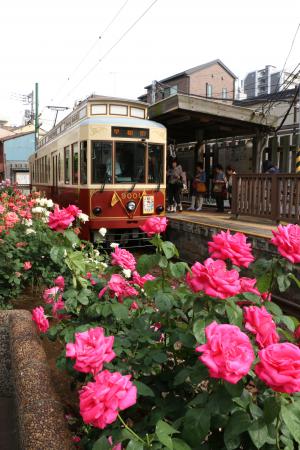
x,y
126,132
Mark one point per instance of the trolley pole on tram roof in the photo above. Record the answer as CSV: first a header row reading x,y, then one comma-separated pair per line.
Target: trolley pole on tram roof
x,y
298,135
36,116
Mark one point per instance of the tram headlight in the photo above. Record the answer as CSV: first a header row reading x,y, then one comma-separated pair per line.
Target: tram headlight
x,y
131,206
160,209
97,211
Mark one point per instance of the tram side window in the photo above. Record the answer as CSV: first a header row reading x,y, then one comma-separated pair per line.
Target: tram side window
x,y
67,165
130,162
83,162
155,163
101,162
59,167
75,163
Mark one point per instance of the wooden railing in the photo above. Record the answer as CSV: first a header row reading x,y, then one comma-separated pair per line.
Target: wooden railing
x,y
275,197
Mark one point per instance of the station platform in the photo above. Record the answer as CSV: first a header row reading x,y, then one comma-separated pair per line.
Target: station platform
x,y
208,218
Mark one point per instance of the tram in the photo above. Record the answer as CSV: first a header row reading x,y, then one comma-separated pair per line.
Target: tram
x,y
109,160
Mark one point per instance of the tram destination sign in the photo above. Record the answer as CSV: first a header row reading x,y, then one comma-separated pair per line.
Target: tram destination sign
x,y
126,132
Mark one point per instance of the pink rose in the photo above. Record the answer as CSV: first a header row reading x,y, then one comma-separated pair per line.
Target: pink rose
x,y
27,265
297,333
38,316
11,219
73,210
140,281
60,219
214,279
287,240
57,306
279,367
118,446
76,439
60,282
100,401
248,285
134,306
119,287
154,225
123,258
50,294
228,352
260,322
231,246
91,350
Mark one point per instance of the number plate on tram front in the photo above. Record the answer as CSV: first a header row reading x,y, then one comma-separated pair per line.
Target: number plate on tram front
x,y
148,204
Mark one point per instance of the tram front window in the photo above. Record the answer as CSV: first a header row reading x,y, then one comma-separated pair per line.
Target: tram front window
x,y
130,162
155,163
101,162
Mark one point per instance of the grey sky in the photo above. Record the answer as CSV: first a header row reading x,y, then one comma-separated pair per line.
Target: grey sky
x,y
45,40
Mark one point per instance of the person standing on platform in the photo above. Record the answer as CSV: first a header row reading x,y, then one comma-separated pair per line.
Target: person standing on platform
x,y
219,187
229,172
269,167
175,179
198,188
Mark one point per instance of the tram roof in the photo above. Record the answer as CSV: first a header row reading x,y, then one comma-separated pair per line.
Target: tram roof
x,y
187,115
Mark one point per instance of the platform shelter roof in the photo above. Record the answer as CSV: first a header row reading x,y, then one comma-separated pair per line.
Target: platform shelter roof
x,y
187,117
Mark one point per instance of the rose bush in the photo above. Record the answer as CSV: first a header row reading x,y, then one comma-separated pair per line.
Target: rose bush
x,y
164,356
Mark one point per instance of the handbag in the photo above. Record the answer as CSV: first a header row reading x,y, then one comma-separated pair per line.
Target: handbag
x,y
200,187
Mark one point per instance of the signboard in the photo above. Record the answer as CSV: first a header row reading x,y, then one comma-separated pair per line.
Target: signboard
x,y
22,178
126,132
148,204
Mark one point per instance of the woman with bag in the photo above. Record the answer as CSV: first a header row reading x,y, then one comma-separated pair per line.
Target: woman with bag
x,y
199,188
175,185
219,187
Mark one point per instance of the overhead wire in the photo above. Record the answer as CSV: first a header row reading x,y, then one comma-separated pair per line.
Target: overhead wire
x,y
89,51
111,48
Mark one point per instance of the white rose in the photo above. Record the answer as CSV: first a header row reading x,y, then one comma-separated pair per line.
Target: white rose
x,y
103,265
83,217
27,222
30,231
114,245
38,210
103,231
50,203
127,273
96,252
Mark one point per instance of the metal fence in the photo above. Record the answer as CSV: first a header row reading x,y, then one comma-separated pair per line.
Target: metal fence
x,y
275,197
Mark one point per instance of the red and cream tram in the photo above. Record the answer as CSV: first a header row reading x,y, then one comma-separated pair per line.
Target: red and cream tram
x,y
109,160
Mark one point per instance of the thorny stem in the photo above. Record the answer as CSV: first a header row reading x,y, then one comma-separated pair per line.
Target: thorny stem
x,y
131,431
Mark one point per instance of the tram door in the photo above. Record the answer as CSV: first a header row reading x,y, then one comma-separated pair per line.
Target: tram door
x,y
55,176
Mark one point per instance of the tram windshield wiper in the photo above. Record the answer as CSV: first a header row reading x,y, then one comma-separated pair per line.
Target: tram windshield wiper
x,y
159,179
136,179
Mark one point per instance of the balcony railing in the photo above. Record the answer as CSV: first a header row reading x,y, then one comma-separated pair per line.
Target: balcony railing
x,y
275,197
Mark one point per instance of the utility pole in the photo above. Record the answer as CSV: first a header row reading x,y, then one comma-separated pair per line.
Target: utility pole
x,y
36,116
298,135
57,109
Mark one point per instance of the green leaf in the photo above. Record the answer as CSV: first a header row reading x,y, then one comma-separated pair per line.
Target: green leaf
x,y
259,433
178,269
237,424
235,390
143,389
102,444
289,323
256,411
163,262
169,249
283,282
119,310
134,445
57,254
234,313
83,297
146,263
271,409
71,236
163,432
179,444
196,426
264,282
181,376
199,330
291,417
163,301
273,308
